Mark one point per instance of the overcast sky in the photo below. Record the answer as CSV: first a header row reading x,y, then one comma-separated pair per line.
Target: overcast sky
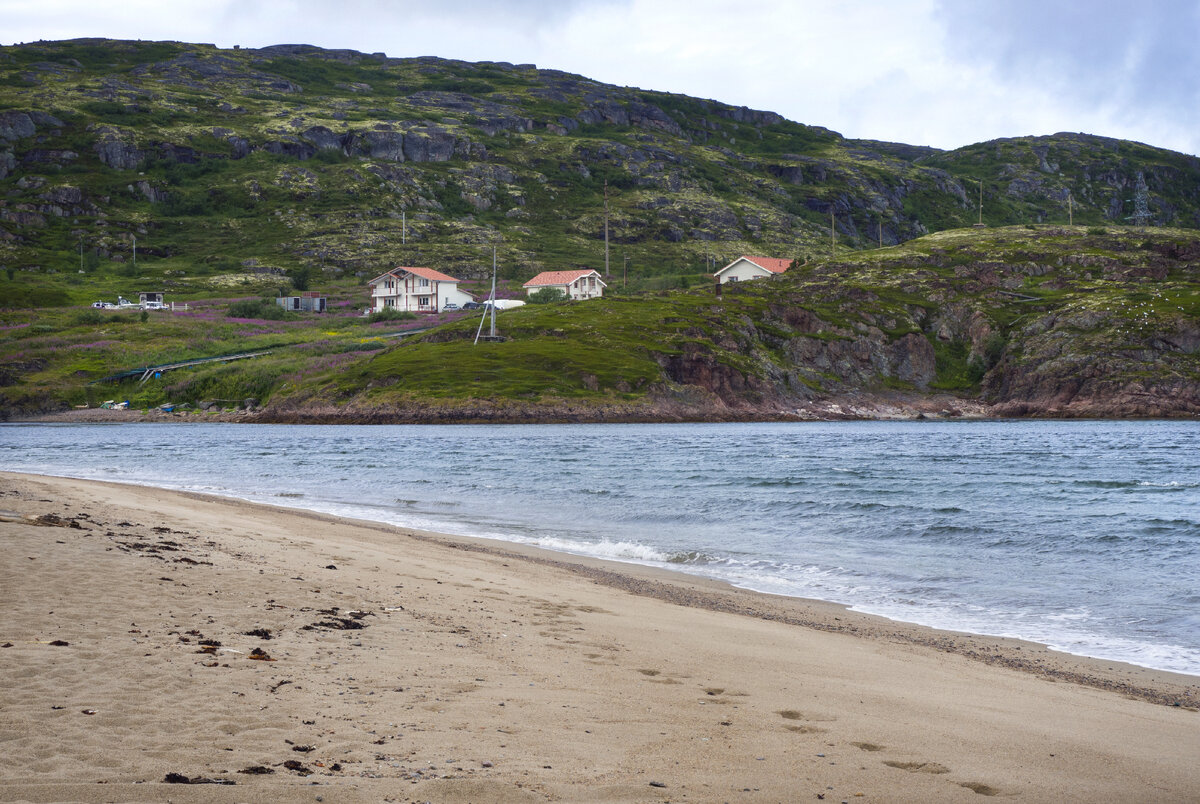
x,y
945,73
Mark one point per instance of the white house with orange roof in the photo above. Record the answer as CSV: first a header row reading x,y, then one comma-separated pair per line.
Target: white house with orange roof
x,y
416,290
584,283
745,268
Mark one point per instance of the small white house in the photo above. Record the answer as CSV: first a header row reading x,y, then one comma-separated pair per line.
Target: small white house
x,y
745,268
416,290
582,284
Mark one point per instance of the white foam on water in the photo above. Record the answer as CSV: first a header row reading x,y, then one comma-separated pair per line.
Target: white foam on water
x,y
631,518
612,550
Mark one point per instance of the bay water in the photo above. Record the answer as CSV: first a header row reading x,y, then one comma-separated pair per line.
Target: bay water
x,y
1084,536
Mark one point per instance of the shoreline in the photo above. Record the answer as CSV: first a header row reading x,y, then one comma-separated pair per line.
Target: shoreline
x,y
613,572
852,408
1162,687
661,582
469,669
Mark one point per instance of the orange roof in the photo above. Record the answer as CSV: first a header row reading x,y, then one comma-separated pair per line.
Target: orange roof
x,y
558,277
427,273
772,264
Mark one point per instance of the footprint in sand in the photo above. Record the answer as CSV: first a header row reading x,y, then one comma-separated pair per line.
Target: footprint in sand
x,y
652,675
868,746
792,714
806,729
917,767
980,788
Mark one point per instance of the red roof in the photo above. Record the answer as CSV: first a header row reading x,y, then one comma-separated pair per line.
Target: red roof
x,y
559,277
772,264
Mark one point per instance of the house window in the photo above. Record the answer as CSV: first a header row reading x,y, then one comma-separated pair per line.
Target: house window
x,y
733,279
422,282
423,301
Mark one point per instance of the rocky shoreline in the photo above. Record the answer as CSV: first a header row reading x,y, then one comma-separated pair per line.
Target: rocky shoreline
x,y
849,407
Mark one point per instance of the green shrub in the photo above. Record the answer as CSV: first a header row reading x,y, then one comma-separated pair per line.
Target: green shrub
x,y
300,277
391,314
262,309
993,350
90,317
545,296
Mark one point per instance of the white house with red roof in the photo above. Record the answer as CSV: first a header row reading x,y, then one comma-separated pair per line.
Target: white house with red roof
x,y
584,283
745,268
416,290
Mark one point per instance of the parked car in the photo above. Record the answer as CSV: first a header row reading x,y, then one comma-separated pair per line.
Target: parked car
x,y
153,306
472,306
450,306
103,305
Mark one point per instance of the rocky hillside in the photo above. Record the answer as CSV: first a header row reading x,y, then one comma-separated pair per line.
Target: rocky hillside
x,y
208,173
202,161
1031,320
1021,321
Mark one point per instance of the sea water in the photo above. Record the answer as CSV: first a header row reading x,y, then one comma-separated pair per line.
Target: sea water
x,y
1083,536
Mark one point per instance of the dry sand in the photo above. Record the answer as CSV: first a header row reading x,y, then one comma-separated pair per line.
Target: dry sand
x,y
414,667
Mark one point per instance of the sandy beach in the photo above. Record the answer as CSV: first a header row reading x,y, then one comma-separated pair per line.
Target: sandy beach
x,y
166,646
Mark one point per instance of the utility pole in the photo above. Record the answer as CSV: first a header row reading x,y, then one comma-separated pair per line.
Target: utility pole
x,y
981,202
135,252
403,227
606,228
881,232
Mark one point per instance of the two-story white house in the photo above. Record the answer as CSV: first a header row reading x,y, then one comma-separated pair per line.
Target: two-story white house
x,y
416,290
745,268
584,283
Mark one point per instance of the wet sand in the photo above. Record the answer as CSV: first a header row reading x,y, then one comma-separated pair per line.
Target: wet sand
x,y
396,665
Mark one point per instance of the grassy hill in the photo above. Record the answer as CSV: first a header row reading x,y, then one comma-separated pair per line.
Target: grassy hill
x,y
225,175
1027,320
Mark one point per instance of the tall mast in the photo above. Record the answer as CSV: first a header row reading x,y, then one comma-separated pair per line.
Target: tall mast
x,y
493,304
606,228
